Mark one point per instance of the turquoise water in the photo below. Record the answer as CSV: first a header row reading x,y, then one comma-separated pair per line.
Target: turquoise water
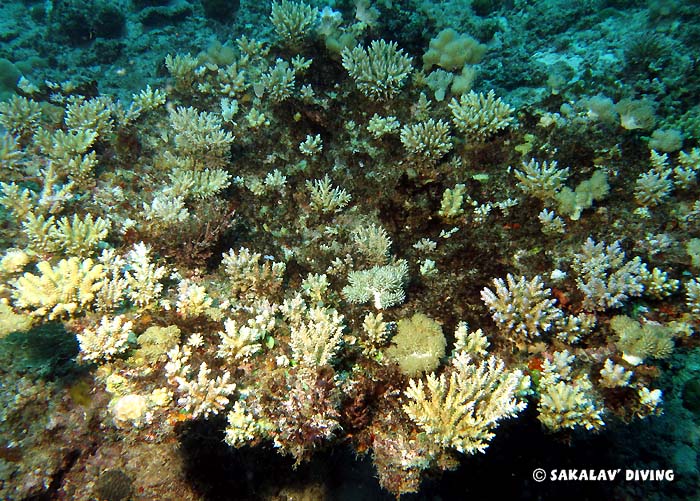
x,y
349,250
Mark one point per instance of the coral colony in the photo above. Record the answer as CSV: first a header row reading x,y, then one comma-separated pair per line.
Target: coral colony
x,y
323,237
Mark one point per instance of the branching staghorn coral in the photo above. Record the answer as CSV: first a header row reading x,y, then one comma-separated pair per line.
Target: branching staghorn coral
x,y
460,410
480,116
685,174
62,290
572,328
640,341
315,286
378,71
613,375
657,283
293,21
473,343
380,126
452,200
376,333
305,414
64,145
650,402
143,277
106,340
200,135
372,242
569,405
381,285
542,180
427,141
201,395
10,153
114,289
165,211
239,341
192,299
605,278
146,100
316,338
197,184
654,186
551,223
182,68
20,116
279,81
242,426
692,295
90,115
248,276
325,198
521,308
73,237
312,145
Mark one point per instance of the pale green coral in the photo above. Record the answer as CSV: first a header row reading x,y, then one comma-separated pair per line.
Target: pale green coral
x,y
542,180
248,276
279,81
239,342
316,337
452,200
382,285
605,278
154,345
613,375
74,236
200,136
373,242
380,126
91,115
20,116
654,186
451,50
13,322
293,21
480,116
378,71
641,341
326,198
428,140
200,394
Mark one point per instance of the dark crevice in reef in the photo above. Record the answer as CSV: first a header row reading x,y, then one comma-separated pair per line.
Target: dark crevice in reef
x,y
219,472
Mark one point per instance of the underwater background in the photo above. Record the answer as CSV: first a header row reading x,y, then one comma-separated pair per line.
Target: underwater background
x,y
352,249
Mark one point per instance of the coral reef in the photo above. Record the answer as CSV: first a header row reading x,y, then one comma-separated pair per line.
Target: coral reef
x,y
278,227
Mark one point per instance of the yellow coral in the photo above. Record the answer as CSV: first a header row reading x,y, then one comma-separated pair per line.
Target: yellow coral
x,y
451,51
461,412
61,290
569,405
12,322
